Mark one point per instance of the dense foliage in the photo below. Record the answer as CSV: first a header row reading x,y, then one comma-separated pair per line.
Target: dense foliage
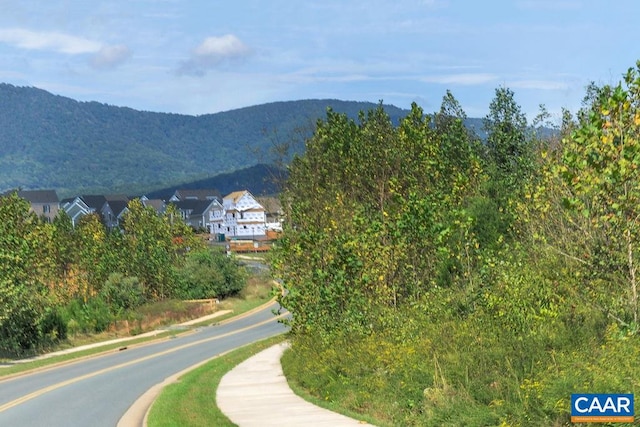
x,y
435,280
56,279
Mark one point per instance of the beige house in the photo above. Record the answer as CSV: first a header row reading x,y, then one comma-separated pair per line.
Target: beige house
x,y
44,203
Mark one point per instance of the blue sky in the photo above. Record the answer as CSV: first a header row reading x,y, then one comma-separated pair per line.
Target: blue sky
x,y
205,56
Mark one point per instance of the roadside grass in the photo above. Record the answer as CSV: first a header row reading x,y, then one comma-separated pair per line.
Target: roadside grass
x,y
20,367
338,407
192,400
257,292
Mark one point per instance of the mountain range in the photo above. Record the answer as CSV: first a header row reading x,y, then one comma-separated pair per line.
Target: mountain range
x,y
51,141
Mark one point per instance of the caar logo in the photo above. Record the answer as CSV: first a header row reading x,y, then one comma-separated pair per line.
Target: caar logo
x,y
602,408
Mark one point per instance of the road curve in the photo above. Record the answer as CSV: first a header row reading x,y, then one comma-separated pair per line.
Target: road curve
x,y
98,391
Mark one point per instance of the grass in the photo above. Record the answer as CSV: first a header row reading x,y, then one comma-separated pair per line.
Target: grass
x,y
338,407
191,401
334,406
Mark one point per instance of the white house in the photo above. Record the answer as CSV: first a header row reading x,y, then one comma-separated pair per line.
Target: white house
x,y
243,216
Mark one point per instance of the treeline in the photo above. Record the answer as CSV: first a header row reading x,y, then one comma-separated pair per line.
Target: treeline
x,y
438,280
55,278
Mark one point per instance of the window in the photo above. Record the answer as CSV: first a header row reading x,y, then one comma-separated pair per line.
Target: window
x,y
46,208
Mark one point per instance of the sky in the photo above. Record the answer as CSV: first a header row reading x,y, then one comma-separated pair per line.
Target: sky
x,y
205,56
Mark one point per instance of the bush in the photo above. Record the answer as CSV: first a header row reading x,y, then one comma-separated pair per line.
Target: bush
x,y
91,316
208,274
20,332
122,293
53,325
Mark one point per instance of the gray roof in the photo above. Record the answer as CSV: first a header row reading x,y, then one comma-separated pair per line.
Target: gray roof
x,y
94,201
39,196
186,194
117,206
197,207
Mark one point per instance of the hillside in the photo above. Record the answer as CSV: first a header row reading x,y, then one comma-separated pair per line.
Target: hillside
x,y
50,141
260,180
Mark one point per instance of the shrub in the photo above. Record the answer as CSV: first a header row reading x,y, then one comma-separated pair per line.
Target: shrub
x,y
122,293
91,316
53,325
208,274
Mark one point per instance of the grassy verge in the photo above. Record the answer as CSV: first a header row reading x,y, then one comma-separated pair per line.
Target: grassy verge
x,y
334,406
191,401
257,292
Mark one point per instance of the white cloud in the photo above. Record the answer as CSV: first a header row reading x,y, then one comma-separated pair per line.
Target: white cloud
x,y
463,79
52,41
212,52
220,48
110,56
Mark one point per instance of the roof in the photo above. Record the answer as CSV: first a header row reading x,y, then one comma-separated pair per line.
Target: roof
x,y
197,207
117,206
39,196
157,204
94,201
116,198
236,195
270,204
201,194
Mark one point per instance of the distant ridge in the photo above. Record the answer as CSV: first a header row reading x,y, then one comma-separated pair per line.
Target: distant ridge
x,y
260,180
50,141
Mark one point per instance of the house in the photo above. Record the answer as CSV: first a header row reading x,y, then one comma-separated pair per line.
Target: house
x,y
185,194
113,211
157,205
273,212
199,214
109,208
76,208
243,215
44,203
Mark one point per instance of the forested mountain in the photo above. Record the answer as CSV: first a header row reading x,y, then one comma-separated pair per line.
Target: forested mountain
x,y
260,180
49,141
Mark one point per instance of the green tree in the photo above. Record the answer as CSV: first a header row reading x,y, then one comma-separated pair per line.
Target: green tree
x,y
371,208
91,241
64,245
208,274
601,169
507,144
21,292
148,242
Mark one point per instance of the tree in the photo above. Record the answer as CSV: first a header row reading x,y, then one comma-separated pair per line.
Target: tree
x,y
21,293
208,274
601,169
91,240
507,145
371,208
148,242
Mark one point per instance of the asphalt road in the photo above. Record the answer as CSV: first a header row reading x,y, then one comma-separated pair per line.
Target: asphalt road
x,y
98,391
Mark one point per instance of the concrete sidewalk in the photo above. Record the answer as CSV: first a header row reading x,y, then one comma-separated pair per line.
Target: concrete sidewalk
x,y
256,393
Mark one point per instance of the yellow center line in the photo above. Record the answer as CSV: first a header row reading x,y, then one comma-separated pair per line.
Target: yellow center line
x,y
44,390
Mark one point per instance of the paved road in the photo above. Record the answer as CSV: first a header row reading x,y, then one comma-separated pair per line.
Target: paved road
x,y
98,391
